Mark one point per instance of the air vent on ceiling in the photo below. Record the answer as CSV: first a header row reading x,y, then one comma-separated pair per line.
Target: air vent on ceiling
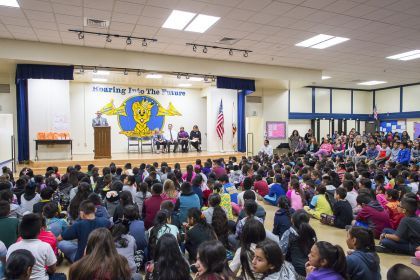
x,y
228,41
98,23
4,88
254,99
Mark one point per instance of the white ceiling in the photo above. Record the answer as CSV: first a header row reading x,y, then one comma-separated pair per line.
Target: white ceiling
x,y
377,28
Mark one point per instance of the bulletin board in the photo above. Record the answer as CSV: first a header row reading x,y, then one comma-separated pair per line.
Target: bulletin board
x,y
275,130
416,130
393,126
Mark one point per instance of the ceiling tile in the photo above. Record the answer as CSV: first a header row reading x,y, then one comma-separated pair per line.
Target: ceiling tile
x,y
240,14
262,18
72,2
14,21
128,8
190,6
317,4
340,6
360,10
44,24
19,29
145,31
278,8
25,36
11,12
169,4
119,27
230,3
254,5
65,19
97,14
300,12
124,18
156,12
37,15
106,5
68,9
36,5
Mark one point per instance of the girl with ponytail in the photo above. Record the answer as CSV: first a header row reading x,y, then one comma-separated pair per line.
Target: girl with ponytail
x,y
362,260
297,241
326,262
198,232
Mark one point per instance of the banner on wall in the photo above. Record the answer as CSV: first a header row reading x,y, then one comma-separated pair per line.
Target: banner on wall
x,y
140,114
393,126
416,130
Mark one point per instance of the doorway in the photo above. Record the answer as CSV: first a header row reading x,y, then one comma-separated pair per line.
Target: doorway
x,y
370,127
254,127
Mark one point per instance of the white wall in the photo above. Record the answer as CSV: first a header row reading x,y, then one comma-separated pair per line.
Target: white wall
x,y
301,126
388,100
48,111
341,100
411,98
84,102
410,126
229,97
322,100
362,102
301,100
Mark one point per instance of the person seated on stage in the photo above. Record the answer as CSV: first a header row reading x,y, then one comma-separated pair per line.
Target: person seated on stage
x,y
171,138
195,138
158,140
266,150
99,120
183,139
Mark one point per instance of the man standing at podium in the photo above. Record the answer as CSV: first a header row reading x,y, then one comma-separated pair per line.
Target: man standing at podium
x,y
99,120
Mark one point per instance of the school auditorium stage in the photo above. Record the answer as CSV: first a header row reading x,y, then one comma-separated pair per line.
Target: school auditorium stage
x,y
134,158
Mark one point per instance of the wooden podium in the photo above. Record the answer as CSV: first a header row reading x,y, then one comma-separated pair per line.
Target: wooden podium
x,y
102,148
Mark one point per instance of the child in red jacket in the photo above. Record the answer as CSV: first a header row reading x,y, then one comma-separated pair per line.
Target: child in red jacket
x,y
392,208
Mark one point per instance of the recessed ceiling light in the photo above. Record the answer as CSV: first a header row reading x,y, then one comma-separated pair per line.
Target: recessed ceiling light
x,y
99,80
372,83
101,72
196,79
406,55
321,41
330,42
178,20
201,23
314,40
153,76
184,85
326,77
9,3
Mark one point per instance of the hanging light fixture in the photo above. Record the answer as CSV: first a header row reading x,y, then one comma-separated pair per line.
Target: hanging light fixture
x,y
125,72
108,39
230,52
205,49
81,35
128,41
245,54
194,48
144,43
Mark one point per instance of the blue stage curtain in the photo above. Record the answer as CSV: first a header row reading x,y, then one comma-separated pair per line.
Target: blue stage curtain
x,y
22,119
39,71
23,73
241,120
234,83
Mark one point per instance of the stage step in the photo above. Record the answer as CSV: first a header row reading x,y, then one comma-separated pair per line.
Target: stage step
x,y
120,160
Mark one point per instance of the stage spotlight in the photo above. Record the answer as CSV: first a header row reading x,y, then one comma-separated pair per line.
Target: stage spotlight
x,y
144,43
178,76
108,39
213,79
245,54
205,49
95,70
230,52
81,35
128,41
82,70
125,72
206,79
187,76
138,73
194,48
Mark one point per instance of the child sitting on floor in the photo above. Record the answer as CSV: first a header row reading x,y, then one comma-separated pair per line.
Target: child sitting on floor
x,y
392,207
319,204
343,213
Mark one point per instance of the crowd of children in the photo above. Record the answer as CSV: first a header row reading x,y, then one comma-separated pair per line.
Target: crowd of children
x,y
158,222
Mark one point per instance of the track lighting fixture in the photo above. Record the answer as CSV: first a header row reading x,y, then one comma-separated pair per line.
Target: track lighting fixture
x,y
206,79
82,70
138,73
125,72
129,40
187,76
213,79
245,53
95,70
178,76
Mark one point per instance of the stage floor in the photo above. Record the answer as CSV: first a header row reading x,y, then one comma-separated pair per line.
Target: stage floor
x,y
121,158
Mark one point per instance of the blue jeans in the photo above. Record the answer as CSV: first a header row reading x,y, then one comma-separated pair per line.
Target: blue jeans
x,y
69,249
271,199
401,246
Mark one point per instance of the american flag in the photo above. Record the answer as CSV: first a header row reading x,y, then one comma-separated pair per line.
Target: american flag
x,y
220,122
375,113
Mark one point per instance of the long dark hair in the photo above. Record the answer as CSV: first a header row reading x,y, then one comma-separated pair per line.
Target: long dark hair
x,y
101,261
334,255
118,230
200,221
18,263
219,220
365,240
160,221
169,263
190,172
252,232
307,235
83,192
284,204
296,188
273,254
212,255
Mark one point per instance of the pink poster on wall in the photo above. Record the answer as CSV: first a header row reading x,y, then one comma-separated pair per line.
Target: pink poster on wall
x,y
276,130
